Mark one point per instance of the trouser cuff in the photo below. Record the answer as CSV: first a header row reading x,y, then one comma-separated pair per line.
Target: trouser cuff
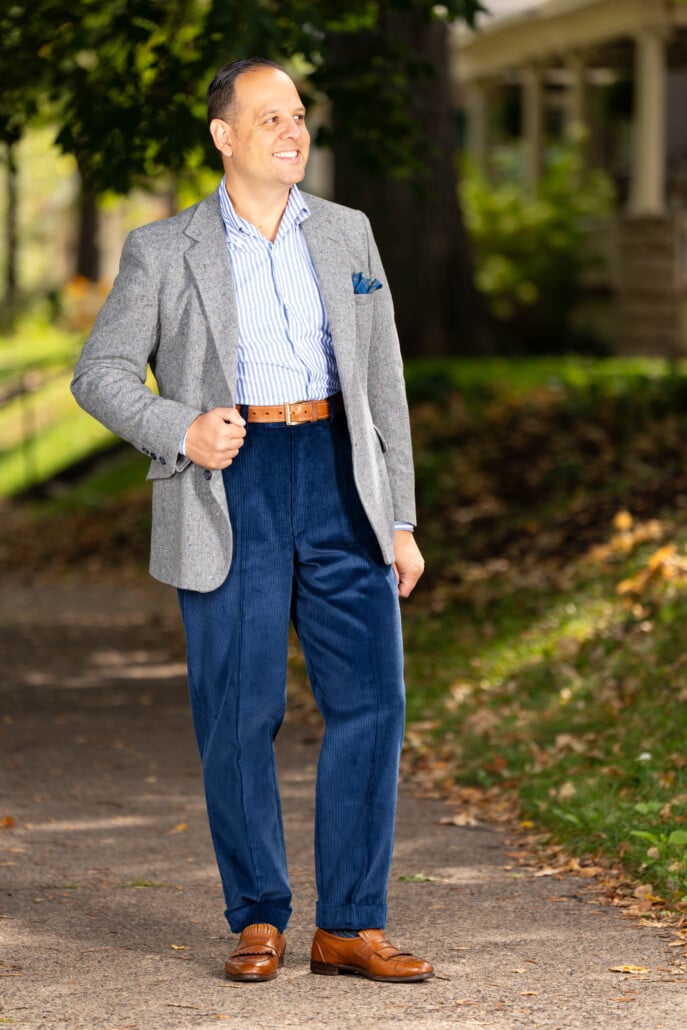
x,y
350,917
239,919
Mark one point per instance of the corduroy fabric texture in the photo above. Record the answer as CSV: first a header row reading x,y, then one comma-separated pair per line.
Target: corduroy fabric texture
x,y
304,550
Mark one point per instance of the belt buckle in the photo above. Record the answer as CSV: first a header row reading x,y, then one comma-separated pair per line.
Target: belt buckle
x,y
292,419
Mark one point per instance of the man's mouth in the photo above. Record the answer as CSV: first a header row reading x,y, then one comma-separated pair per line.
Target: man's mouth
x,y
287,155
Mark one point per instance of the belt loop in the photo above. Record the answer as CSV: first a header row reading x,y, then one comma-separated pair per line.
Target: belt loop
x,y
287,412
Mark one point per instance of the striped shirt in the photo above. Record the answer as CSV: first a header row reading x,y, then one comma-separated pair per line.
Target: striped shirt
x,y
285,348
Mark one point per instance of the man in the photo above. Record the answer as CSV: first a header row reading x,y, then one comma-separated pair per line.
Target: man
x,y
282,489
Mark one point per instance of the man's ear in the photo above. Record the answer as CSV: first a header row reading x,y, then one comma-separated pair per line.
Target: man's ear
x,y
221,136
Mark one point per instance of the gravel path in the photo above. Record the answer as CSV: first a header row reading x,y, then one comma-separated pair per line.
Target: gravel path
x,y
110,908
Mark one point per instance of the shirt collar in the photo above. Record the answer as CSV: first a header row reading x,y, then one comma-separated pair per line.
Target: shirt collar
x,y
237,228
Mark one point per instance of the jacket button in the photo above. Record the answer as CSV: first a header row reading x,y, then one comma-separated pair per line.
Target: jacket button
x,y
207,474
163,461
153,455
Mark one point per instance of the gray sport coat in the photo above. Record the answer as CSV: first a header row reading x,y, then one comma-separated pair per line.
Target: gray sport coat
x,y
173,307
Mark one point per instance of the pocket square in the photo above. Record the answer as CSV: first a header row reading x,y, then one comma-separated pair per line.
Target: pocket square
x,y
361,284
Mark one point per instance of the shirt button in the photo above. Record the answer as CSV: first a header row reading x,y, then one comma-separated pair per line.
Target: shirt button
x,y
207,474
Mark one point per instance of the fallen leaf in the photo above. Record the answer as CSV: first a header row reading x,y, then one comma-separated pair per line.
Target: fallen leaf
x,y
7,822
529,994
419,878
628,969
179,828
459,819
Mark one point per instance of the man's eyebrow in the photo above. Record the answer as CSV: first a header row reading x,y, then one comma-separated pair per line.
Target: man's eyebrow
x,y
300,109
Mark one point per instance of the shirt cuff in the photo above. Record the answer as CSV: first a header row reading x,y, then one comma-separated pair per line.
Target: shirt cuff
x,y
182,445
404,525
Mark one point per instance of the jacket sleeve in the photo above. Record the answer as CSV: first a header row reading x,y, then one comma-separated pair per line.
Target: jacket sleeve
x,y
110,377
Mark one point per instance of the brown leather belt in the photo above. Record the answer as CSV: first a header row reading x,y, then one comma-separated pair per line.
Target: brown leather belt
x,y
294,413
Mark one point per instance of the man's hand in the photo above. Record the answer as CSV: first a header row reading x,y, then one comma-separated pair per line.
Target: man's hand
x,y
409,564
214,439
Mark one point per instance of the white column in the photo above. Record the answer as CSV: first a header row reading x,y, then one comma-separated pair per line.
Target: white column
x,y
647,194
576,111
478,125
533,124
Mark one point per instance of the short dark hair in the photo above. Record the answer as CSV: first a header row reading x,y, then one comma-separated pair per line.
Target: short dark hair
x,y
222,89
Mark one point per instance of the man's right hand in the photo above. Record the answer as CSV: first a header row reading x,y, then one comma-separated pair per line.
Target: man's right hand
x,y
214,439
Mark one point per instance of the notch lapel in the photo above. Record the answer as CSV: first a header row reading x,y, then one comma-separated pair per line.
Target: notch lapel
x,y
333,267
209,264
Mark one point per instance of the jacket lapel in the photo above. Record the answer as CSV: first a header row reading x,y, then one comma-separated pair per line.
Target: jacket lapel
x,y
333,267
209,264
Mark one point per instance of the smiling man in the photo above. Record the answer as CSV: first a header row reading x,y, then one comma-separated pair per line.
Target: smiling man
x,y
282,476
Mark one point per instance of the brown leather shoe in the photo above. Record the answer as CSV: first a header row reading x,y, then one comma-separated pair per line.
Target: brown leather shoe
x,y
369,954
259,954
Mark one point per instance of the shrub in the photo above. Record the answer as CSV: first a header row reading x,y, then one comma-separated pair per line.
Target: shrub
x,y
531,251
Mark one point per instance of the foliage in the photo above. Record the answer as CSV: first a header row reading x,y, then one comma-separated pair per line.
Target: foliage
x,y
125,81
532,251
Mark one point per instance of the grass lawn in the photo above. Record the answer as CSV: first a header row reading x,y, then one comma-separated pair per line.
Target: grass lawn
x,y
42,429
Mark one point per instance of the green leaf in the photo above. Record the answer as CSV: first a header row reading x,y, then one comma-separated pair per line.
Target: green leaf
x,y
419,878
648,807
138,884
678,837
645,835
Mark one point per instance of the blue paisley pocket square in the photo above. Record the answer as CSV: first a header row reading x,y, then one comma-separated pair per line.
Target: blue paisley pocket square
x,y
363,285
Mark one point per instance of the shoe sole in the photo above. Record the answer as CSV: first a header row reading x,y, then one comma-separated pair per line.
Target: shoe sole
x,y
330,969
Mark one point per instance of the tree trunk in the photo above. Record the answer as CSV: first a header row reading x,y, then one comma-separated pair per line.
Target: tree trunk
x,y
11,290
420,231
88,232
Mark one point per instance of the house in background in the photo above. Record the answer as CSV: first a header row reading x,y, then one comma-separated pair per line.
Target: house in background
x,y
617,69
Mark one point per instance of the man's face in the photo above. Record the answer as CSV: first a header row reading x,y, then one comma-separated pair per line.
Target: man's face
x,y
266,133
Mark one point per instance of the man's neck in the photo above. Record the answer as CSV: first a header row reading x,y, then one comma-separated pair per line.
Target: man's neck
x,y
263,211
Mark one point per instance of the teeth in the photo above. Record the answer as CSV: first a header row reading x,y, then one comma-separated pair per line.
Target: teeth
x,y
287,153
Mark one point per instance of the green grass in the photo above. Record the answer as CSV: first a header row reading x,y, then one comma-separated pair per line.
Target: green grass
x,y
42,430
36,346
478,377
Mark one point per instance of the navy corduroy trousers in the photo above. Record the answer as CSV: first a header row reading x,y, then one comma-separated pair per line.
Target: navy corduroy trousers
x,y
303,551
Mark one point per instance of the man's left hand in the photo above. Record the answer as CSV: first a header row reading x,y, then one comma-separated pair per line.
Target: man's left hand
x,y
409,563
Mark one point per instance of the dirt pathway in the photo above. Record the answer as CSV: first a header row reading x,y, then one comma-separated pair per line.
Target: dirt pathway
x,y
110,909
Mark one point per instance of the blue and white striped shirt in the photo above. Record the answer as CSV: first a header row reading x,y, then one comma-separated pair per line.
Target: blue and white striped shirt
x,y
285,348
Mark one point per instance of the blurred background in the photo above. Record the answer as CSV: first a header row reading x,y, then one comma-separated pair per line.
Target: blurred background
x,y
524,165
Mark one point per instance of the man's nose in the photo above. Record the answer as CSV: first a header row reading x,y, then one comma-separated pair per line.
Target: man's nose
x,y
293,128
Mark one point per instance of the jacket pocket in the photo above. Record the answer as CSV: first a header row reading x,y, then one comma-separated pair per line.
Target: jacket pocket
x,y
380,437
